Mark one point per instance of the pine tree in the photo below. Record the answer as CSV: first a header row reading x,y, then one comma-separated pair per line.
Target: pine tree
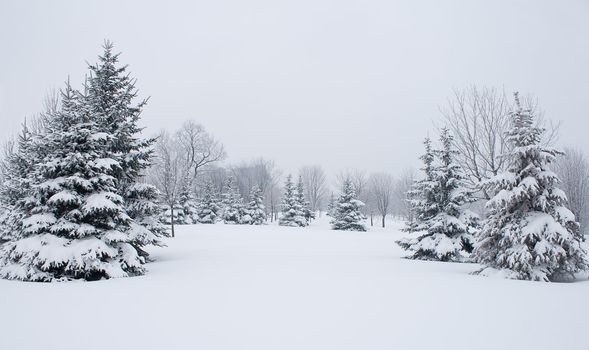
x,y
208,209
187,203
444,227
307,213
109,97
331,206
529,234
255,208
232,204
16,181
348,211
292,213
75,225
422,199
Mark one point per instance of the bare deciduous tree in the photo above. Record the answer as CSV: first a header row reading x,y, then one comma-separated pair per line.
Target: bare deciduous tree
x,y
315,183
478,119
381,187
199,148
573,172
168,170
400,202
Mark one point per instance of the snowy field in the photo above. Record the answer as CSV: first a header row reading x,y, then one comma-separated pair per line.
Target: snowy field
x,y
270,287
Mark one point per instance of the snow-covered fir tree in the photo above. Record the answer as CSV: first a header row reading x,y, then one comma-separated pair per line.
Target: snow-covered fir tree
x,y
255,210
348,210
307,213
232,203
86,214
173,214
16,181
421,196
188,203
529,234
110,97
443,227
208,208
75,224
291,210
331,205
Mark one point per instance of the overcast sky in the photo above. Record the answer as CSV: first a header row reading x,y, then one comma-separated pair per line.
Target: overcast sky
x,y
338,83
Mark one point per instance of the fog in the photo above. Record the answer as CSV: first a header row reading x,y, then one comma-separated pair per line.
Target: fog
x,y
337,83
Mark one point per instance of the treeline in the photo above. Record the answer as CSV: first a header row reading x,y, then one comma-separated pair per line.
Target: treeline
x,y
83,192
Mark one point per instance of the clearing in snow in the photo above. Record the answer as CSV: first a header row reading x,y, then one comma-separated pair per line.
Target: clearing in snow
x,y
270,287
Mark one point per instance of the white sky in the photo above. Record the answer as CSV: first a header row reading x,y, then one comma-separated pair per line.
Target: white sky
x,y
337,83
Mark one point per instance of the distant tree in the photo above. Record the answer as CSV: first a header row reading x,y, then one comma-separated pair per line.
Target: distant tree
x,y
306,211
348,215
573,171
199,148
529,234
331,203
232,203
381,186
315,184
208,209
256,210
400,201
167,174
187,202
292,213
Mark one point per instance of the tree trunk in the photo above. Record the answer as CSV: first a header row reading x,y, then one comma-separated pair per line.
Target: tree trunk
x,y
383,217
371,221
172,219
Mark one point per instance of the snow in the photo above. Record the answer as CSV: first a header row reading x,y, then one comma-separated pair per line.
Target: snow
x,y
271,287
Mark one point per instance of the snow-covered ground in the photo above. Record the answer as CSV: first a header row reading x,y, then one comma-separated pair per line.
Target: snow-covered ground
x,y
270,287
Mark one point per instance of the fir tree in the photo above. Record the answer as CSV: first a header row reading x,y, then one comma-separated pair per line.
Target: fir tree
x,y
307,213
75,224
348,211
232,204
529,234
331,206
187,203
444,227
208,209
422,199
255,208
292,213
16,168
109,97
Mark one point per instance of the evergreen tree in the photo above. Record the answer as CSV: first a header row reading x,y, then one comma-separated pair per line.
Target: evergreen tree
x,y
331,206
188,204
306,211
255,208
444,227
348,211
422,194
232,204
109,97
529,234
16,181
209,209
292,213
75,224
